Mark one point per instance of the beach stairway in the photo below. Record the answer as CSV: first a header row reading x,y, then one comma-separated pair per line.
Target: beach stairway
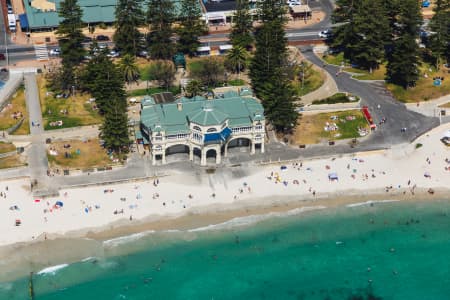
x,y
41,51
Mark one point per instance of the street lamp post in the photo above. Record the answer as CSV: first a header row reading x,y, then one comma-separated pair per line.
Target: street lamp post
x,y
6,49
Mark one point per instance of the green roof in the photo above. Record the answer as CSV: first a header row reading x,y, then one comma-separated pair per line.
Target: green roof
x,y
174,118
94,11
208,116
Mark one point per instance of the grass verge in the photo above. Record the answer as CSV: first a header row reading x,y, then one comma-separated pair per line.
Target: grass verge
x,y
315,81
6,147
13,161
80,155
153,90
337,98
17,104
73,111
310,129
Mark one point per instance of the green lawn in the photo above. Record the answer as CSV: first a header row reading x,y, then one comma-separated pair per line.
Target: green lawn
x,y
6,147
79,111
11,162
310,129
315,81
377,74
337,98
236,82
81,155
17,104
424,89
153,90
334,59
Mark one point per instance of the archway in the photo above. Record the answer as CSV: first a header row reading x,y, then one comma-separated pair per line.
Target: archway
x,y
178,152
197,155
239,145
211,156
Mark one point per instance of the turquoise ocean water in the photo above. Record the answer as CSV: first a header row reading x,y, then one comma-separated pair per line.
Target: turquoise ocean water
x,y
389,251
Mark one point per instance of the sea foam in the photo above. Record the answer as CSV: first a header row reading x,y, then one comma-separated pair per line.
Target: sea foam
x,y
126,239
252,219
52,270
370,202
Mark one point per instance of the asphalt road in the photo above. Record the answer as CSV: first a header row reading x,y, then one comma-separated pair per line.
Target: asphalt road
x,y
374,95
26,52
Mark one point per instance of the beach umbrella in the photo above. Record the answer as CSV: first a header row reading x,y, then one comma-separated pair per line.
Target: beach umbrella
x,y
59,203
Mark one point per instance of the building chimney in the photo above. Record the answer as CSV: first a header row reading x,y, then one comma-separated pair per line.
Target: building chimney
x,y
180,106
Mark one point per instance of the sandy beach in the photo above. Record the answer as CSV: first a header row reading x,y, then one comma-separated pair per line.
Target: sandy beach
x,y
182,201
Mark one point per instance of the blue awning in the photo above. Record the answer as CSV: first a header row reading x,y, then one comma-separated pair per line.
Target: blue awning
x,y
218,137
23,21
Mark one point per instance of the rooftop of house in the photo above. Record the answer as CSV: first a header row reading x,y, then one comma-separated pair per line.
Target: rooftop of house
x,y
41,15
174,118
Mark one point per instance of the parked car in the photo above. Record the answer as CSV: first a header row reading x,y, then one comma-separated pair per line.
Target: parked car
x,y
55,52
143,54
2,56
113,54
325,34
10,9
294,3
102,37
87,39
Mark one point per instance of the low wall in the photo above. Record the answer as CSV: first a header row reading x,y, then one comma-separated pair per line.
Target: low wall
x,y
10,87
13,128
6,154
331,107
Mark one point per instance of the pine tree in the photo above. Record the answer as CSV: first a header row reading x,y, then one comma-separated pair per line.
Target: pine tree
x,y
191,27
271,44
103,80
70,38
267,70
440,26
371,25
346,34
114,130
403,61
128,19
241,32
279,104
160,16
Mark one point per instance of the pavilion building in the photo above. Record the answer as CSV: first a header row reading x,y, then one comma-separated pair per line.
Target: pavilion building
x,y
202,127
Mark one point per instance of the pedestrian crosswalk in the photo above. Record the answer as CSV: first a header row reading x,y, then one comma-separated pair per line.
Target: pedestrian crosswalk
x,y
41,51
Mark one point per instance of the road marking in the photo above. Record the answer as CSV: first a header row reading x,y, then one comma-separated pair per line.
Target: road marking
x,y
295,34
41,51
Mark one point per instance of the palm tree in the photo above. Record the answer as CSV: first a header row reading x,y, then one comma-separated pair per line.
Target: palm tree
x,y
129,68
194,88
237,59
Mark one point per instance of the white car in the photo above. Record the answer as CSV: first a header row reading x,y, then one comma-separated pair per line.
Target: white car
x,y
325,34
113,54
55,52
294,3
